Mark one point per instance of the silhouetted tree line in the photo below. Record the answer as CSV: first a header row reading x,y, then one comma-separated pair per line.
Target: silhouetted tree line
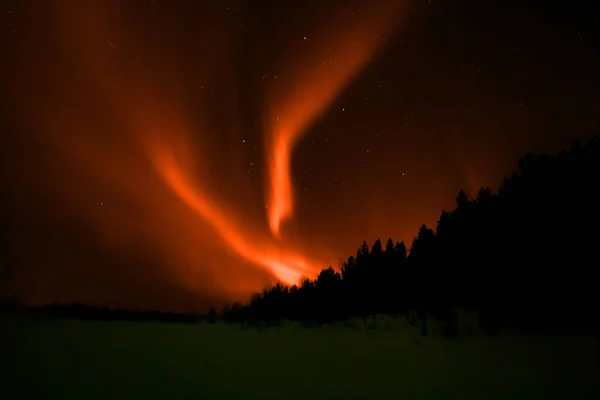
x,y
523,258
13,308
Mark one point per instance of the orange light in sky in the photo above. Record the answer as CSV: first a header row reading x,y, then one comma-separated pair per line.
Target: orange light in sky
x,y
131,133
288,267
315,82
312,89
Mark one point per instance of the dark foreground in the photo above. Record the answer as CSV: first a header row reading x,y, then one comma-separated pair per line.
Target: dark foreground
x,y
120,360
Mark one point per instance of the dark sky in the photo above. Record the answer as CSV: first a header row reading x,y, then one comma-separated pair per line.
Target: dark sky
x,y
146,144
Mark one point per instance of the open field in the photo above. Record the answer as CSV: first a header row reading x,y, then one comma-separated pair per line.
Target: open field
x,y
114,360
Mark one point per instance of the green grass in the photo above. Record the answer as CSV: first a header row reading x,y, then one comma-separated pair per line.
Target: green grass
x,y
114,360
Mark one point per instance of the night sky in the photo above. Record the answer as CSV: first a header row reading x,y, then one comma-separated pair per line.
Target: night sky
x,y
175,154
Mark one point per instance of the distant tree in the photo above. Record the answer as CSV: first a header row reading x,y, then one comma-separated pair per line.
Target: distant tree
x,y
328,292
389,246
349,270
423,245
400,249
484,195
212,315
462,198
362,259
376,251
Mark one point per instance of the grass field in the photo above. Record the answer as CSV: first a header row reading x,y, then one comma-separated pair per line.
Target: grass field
x,y
121,360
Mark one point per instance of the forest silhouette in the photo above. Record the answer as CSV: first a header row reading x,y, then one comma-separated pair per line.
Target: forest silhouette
x,y
522,259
